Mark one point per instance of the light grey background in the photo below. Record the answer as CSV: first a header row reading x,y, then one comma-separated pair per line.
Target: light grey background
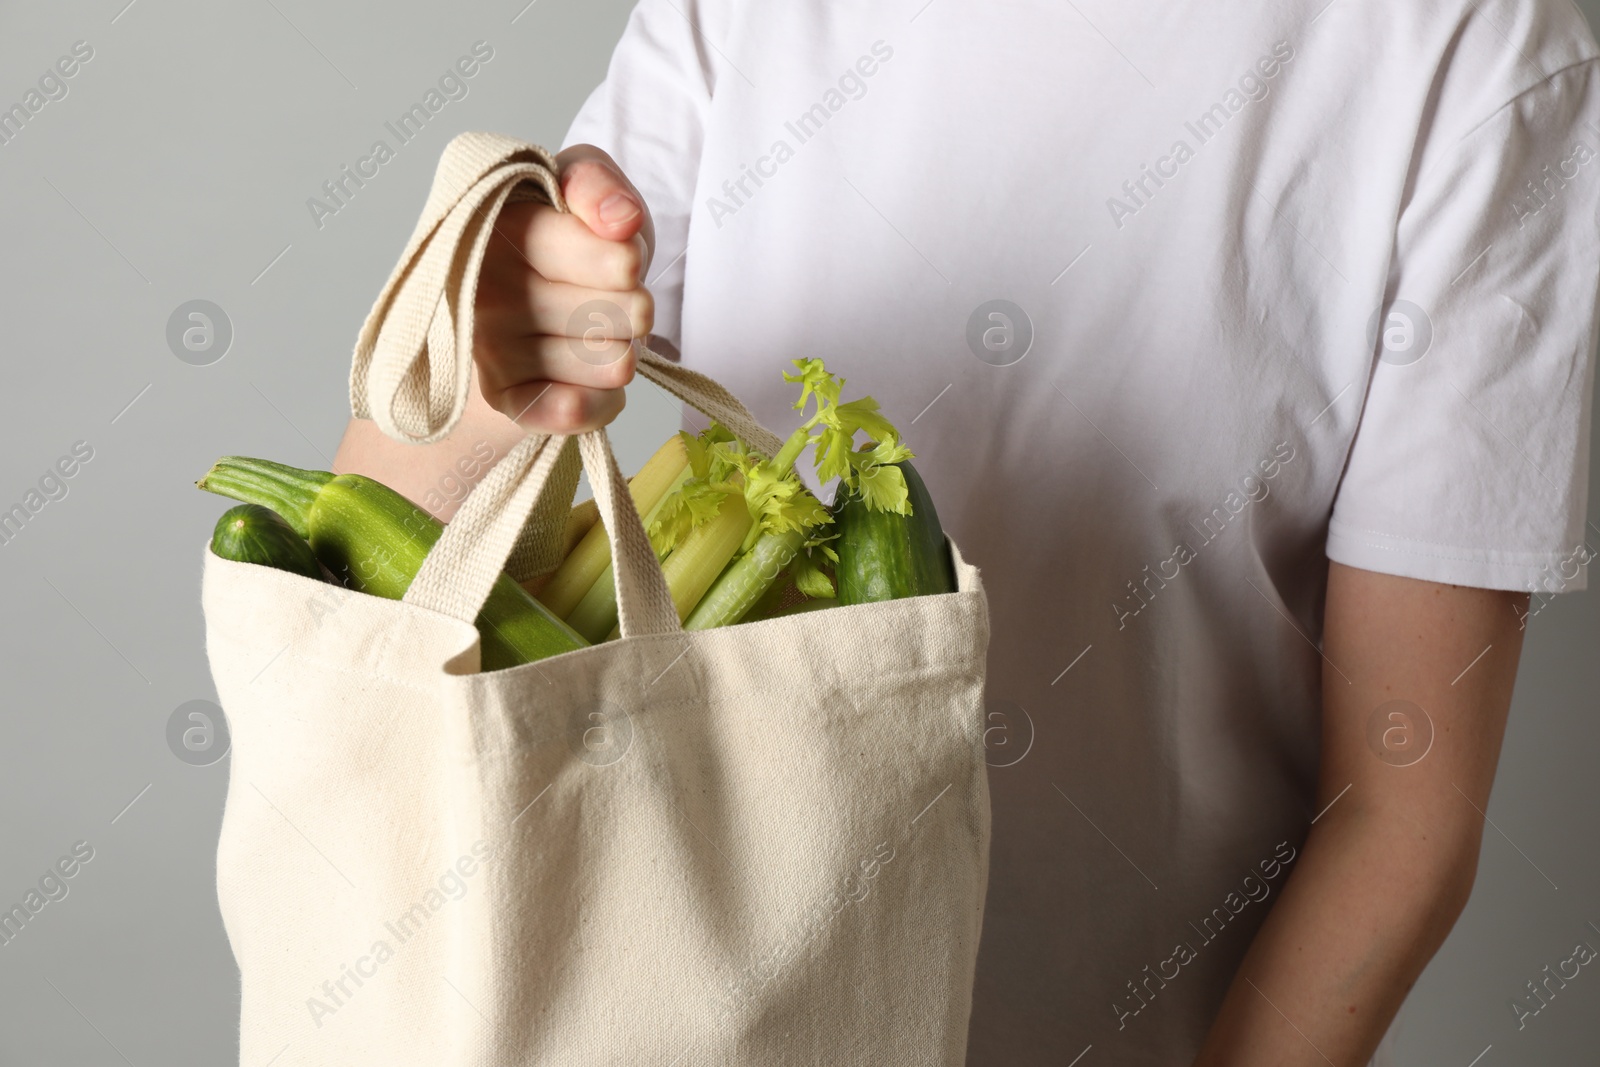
x,y
178,168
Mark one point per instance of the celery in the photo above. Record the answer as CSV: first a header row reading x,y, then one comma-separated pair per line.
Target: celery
x,y
745,580
656,480
596,613
704,554
741,519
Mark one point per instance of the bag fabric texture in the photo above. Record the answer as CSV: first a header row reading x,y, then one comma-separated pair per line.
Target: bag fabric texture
x,y
763,844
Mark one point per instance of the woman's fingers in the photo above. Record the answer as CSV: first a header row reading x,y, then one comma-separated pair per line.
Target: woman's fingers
x,y
528,304
560,297
558,407
550,384
599,193
593,364
561,248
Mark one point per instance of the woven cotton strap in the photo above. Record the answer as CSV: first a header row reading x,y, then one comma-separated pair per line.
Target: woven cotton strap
x,y
413,366
463,565
412,363
413,360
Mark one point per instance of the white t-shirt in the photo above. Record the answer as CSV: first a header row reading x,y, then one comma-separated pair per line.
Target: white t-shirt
x,y
1194,214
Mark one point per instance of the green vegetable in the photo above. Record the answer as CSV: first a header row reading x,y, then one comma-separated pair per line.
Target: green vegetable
x,y
777,595
886,555
746,580
714,543
250,533
375,540
596,614
583,566
704,554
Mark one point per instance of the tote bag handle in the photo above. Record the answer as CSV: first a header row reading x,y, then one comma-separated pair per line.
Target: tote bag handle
x,y
412,368
463,565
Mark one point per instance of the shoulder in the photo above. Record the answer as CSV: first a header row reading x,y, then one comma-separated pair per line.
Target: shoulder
x,y
1483,54
1434,71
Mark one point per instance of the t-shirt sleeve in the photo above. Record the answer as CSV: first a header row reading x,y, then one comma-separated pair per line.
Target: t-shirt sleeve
x,y
1470,463
649,114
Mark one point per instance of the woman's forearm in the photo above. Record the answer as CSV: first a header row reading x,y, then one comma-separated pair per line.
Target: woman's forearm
x,y
1371,899
1414,705
437,476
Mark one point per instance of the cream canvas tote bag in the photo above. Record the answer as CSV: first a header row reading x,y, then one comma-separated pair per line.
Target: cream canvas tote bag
x,y
763,844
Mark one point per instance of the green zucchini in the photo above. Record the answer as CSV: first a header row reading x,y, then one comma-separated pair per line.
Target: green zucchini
x,y
250,533
374,541
884,555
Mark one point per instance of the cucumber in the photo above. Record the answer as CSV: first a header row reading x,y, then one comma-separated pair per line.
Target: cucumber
x,y
250,533
374,541
886,556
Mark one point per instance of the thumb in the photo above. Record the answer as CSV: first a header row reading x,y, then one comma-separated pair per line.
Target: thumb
x,y
598,193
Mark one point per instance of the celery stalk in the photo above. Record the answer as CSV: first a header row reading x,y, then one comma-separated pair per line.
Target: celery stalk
x,y
696,564
770,600
664,472
596,612
745,580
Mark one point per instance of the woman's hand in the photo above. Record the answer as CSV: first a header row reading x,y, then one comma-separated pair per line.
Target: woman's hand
x,y
561,297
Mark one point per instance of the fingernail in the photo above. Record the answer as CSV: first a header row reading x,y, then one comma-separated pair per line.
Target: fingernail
x,y
617,208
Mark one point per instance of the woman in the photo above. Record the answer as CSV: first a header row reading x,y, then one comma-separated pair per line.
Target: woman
x,y
1247,352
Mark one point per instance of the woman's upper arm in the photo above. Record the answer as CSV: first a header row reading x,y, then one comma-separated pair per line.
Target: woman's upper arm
x,y
1416,690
